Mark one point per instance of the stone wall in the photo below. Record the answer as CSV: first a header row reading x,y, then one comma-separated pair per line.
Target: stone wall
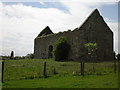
x,y
93,30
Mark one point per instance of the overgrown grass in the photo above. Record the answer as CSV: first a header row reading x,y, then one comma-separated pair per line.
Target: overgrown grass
x,y
89,81
23,70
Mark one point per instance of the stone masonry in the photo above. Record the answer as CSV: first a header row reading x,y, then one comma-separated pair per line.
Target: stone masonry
x,y
93,30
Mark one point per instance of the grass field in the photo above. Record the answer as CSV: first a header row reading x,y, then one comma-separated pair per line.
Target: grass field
x,y
29,74
91,81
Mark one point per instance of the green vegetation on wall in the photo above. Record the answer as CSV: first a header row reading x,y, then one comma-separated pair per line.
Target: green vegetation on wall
x,y
91,49
61,49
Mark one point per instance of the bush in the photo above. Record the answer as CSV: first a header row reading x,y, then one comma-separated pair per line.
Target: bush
x,y
90,53
61,50
29,56
17,57
5,57
91,47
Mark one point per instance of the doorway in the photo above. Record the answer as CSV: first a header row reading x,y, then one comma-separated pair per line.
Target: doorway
x,y
50,52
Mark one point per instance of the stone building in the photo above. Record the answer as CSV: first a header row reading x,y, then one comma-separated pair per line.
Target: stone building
x,y
93,30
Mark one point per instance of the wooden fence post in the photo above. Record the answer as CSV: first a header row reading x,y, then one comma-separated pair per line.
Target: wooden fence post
x,y
54,71
82,68
93,68
44,74
115,66
118,67
2,77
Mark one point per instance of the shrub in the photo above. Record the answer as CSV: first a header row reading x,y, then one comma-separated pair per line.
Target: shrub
x,y
91,50
18,57
61,49
5,57
29,56
91,47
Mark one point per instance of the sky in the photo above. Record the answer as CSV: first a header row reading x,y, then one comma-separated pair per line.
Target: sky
x,y
21,22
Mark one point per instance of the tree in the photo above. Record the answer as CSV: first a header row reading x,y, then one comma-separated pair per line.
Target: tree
x,y
91,48
61,49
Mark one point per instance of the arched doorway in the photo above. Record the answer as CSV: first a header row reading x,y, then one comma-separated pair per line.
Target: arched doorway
x,y
50,52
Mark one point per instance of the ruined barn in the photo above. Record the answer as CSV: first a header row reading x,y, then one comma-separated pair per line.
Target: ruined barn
x,y
93,30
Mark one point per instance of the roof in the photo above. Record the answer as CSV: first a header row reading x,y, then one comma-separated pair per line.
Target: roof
x,y
45,31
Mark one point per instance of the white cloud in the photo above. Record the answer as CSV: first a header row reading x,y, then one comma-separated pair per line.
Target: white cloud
x,y
114,28
41,2
0,30
21,24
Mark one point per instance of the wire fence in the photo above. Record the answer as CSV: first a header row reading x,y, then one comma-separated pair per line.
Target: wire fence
x,y
30,69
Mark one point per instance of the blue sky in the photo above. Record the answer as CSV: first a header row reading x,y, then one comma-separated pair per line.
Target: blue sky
x,y
22,21
105,9
57,5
